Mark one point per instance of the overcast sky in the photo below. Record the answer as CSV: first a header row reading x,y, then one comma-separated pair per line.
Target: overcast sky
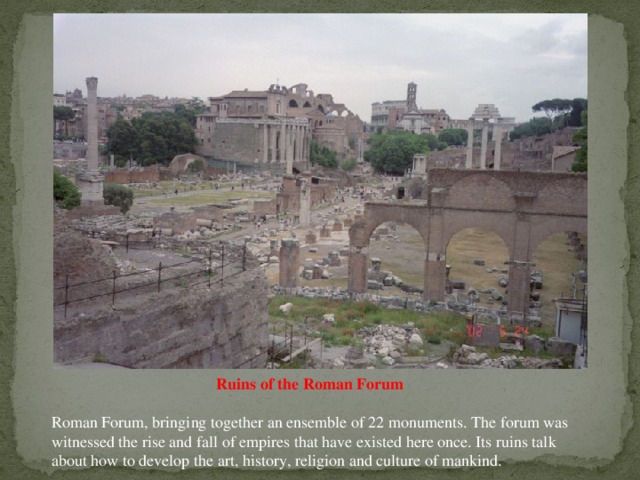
x,y
457,60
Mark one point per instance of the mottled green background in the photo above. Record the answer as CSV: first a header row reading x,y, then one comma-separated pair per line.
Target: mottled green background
x,y
601,443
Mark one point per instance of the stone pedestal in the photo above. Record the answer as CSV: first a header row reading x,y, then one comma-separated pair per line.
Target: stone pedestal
x,y
91,184
519,287
325,232
435,278
305,204
310,237
337,226
358,272
289,263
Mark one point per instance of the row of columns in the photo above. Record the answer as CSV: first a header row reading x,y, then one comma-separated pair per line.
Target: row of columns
x,y
497,138
286,143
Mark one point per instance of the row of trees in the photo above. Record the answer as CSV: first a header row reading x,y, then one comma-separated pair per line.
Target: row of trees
x,y
559,113
155,137
393,152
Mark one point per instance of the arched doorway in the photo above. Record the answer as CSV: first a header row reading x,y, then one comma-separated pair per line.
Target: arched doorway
x,y
477,268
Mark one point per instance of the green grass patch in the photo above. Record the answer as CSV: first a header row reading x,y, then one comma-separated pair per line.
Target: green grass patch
x,y
352,316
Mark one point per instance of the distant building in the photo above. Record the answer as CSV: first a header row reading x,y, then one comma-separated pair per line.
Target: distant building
x,y
405,115
268,128
59,100
380,112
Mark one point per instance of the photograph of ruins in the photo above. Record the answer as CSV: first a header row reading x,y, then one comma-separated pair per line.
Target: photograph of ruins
x,y
276,227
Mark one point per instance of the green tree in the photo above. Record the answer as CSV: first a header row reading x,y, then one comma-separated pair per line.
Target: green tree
x,y
118,195
190,111
349,164
581,137
393,152
534,127
432,141
63,113
123,141
155,137
453,136
578,105
65,193
196,166
553,108
322,155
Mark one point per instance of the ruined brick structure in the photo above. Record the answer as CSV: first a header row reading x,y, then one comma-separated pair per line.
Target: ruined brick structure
x,y
272,129
522,208
320,189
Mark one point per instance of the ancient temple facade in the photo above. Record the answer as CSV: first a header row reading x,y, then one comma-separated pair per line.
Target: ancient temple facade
x,y
273,128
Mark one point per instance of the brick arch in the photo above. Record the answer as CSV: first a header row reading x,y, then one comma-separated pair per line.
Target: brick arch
x,y
522,208
362,229
499,224
545,227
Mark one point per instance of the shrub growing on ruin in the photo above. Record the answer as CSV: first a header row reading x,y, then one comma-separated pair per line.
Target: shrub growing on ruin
x,y
65,193
118,195
349,164
196,166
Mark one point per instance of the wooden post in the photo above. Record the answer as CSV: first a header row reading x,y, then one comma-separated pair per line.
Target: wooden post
x,y
66,291
222,266
209,271
113,290
127,242
159,275
244,257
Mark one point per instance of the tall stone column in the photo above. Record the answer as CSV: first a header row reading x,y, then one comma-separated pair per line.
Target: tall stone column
x,y
485,139
497,139
305,204
520,258
469,163
289,152
289,262
92,124
91,182
265,142
283,142
299,142
274,149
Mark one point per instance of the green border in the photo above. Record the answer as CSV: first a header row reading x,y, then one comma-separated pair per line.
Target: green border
x,y
11,465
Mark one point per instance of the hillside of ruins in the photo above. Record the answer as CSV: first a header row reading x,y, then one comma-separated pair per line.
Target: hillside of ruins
x,y
475,257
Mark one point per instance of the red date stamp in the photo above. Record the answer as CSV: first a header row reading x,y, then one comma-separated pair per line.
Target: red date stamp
x,y
477,330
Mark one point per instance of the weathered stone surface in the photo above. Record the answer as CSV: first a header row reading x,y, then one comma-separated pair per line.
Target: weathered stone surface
x,y
177,328
329,318
415,341
560,348
285,308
